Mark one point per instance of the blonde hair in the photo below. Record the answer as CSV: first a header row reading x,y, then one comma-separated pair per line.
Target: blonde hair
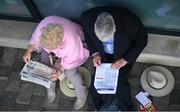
x,y
51,36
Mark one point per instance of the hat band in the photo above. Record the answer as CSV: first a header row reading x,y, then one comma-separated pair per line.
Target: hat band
x,y
69,84
149,83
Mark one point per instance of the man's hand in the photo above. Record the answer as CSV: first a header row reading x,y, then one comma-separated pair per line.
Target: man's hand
x,y
27,57
97,60
119,63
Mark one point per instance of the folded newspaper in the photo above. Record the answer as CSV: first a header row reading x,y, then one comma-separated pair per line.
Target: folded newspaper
x,y
37,73
106,79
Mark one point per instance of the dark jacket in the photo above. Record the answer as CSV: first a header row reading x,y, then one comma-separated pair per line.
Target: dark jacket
x,y
130,37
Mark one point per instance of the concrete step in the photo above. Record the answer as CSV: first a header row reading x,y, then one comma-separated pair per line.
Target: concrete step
x,y
161,49
16,34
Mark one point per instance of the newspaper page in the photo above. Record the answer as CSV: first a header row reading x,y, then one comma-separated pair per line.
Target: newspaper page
x,y
106,79
37,73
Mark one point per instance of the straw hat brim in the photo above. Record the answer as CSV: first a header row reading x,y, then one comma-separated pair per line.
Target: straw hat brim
x,y
170,82
86,77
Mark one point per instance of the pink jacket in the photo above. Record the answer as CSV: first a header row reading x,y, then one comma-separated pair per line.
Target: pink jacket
x,y
71,50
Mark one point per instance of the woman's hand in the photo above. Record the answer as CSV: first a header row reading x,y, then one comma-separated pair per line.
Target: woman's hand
x,y
27,56
55,76
58,66
60,69
28,53
97,60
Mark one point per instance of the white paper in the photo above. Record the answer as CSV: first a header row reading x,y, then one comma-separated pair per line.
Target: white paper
x,y
37,73
106,79
142,98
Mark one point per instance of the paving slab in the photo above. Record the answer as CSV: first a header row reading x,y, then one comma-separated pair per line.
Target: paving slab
x,y
175,97
17,66
39,90
5,71
25,94
161,103
3,78
3,85
135,74
177,78
173,108
1,93
1,52
20,107
14,76
65,105
14,82
36,103
8,100
19,55
8,57
14,86
6,108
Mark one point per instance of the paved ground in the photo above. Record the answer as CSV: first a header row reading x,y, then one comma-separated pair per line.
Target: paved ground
x,y
20,95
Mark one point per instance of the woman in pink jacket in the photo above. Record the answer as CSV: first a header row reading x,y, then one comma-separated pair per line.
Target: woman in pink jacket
x,y
61,38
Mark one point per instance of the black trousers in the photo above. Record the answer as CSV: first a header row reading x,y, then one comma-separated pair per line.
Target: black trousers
x,y
123,94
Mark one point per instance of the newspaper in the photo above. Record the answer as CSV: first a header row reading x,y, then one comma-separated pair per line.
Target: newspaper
x,y
106,79
37,73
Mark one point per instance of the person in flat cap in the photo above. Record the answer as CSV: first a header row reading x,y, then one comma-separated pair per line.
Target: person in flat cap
x,y
114,35
61,39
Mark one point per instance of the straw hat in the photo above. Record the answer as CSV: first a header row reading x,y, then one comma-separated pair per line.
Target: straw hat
x,y
104,26
68,88
157,81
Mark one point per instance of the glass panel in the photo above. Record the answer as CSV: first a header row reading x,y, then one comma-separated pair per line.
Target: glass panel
x,y
153,13
14,8
66,8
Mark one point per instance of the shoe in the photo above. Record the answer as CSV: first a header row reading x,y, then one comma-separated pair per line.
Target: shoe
x,y
51,94
80,102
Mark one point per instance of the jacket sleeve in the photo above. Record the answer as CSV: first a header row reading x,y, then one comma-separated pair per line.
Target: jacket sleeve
x,y
90,44
138,44
87,27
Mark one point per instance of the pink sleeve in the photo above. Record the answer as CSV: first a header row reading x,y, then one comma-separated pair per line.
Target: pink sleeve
x,y
35,36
